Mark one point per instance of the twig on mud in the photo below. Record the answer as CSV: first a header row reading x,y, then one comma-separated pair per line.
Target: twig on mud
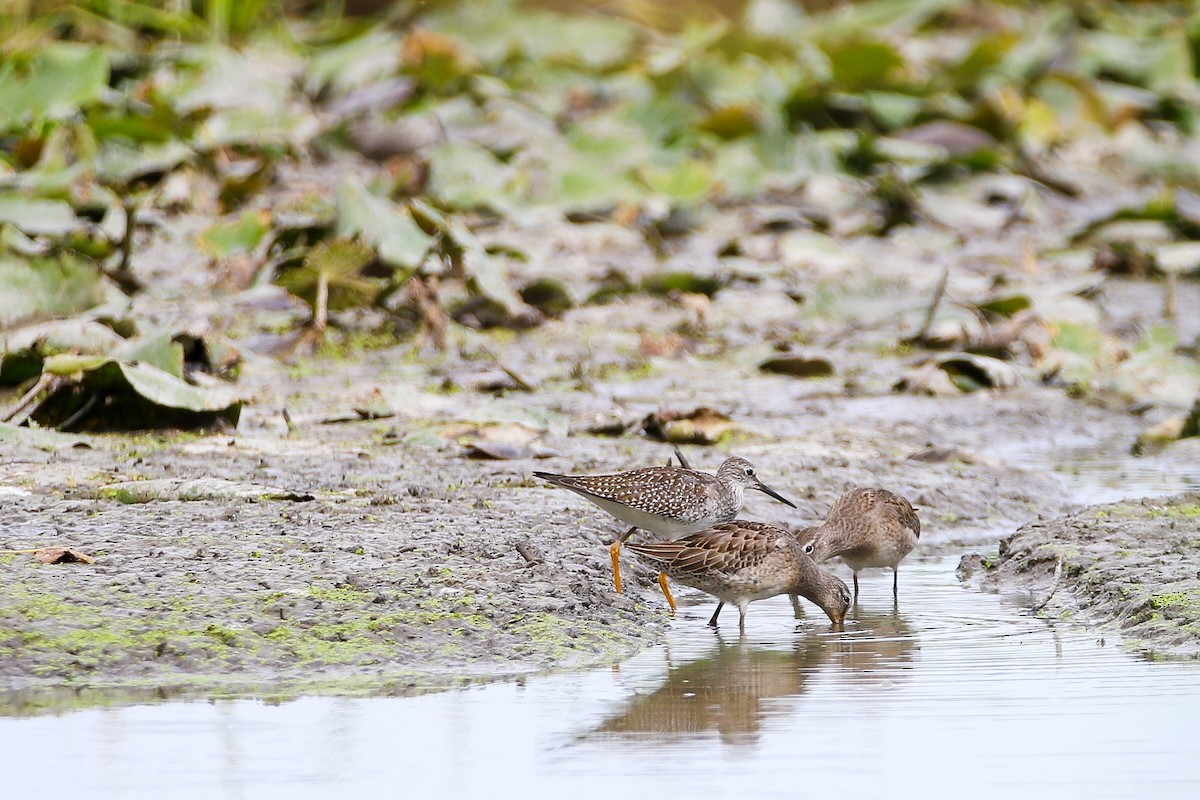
x,y
423,293
923,334
521,383
20,412
1053,587
83,411
529,552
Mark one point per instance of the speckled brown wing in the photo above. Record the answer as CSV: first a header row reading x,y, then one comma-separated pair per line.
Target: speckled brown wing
x,y
665,491
904,512
724,549
859,502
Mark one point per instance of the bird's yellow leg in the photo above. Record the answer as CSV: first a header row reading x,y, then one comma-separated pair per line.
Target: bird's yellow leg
x,y
615,550
662,582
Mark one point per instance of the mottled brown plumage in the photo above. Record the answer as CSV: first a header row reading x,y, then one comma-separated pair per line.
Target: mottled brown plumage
x,y
666,501
739,562
866,528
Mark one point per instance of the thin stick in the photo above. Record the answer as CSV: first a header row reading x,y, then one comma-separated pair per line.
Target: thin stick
x,y
933,307
44,382
81,413
321,305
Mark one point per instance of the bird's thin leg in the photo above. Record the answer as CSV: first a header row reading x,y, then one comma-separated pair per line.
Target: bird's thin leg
x,y
662,582
741,618
856,588
615,550
796,607
712,621
895,583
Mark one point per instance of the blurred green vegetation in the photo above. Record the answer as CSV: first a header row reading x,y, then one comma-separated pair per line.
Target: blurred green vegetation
x,y
441,114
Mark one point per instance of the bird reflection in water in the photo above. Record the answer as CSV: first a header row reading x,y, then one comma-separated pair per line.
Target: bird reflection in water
x,y
876,646
732,691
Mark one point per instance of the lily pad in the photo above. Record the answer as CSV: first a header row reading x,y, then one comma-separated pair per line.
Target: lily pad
x,y
102,393
388,227
23,349
38,217
55,83
48,287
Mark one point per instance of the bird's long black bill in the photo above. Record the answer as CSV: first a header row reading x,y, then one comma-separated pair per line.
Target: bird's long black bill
x,y
762,487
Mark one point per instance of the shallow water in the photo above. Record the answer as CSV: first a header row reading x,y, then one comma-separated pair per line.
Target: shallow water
x,y
954,692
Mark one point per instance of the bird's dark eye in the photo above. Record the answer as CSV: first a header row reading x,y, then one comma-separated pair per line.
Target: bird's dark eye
x,y
808,548
749,472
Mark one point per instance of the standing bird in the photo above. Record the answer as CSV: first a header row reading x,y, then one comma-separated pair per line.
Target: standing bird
x,y
739,562
867,528
667,502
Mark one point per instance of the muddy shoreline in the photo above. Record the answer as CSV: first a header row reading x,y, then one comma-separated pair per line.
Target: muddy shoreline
x,y
345,538
396,564
1128,570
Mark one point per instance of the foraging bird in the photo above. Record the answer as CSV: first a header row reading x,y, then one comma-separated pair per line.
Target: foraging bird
x,y
667,502
867,528
739,562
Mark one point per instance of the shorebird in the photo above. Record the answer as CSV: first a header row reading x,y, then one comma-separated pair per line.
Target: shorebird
x,y
867,528
667,502
739,562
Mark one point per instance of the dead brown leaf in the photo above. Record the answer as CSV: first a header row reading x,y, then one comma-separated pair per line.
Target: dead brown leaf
x,y
799,366
670,345
61,555
702,426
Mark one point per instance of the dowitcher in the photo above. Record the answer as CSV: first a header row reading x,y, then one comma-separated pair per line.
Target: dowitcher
x,y
667,502
739,562
867,528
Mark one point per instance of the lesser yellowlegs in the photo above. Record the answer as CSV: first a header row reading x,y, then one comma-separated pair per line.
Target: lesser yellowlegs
x,y
867,528
667,502
739,562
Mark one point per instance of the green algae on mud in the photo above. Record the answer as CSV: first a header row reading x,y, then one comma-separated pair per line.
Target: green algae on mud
x,y
211,596
1130,569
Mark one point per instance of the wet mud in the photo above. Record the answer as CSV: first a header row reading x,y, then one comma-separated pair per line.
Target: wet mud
x,y
347,536
1129,570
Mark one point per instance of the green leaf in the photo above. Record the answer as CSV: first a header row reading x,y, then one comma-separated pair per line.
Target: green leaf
x,y
338,264
47,286
167,390
859,65
485,272
119,163
136,397
690,181
893,110
465,175
34,216
241,235
383,224
55,83
356,62
25,348
158,350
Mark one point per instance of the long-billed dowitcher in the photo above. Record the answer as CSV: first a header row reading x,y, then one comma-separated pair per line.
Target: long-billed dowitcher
x,y
867,528
739,562
667,502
